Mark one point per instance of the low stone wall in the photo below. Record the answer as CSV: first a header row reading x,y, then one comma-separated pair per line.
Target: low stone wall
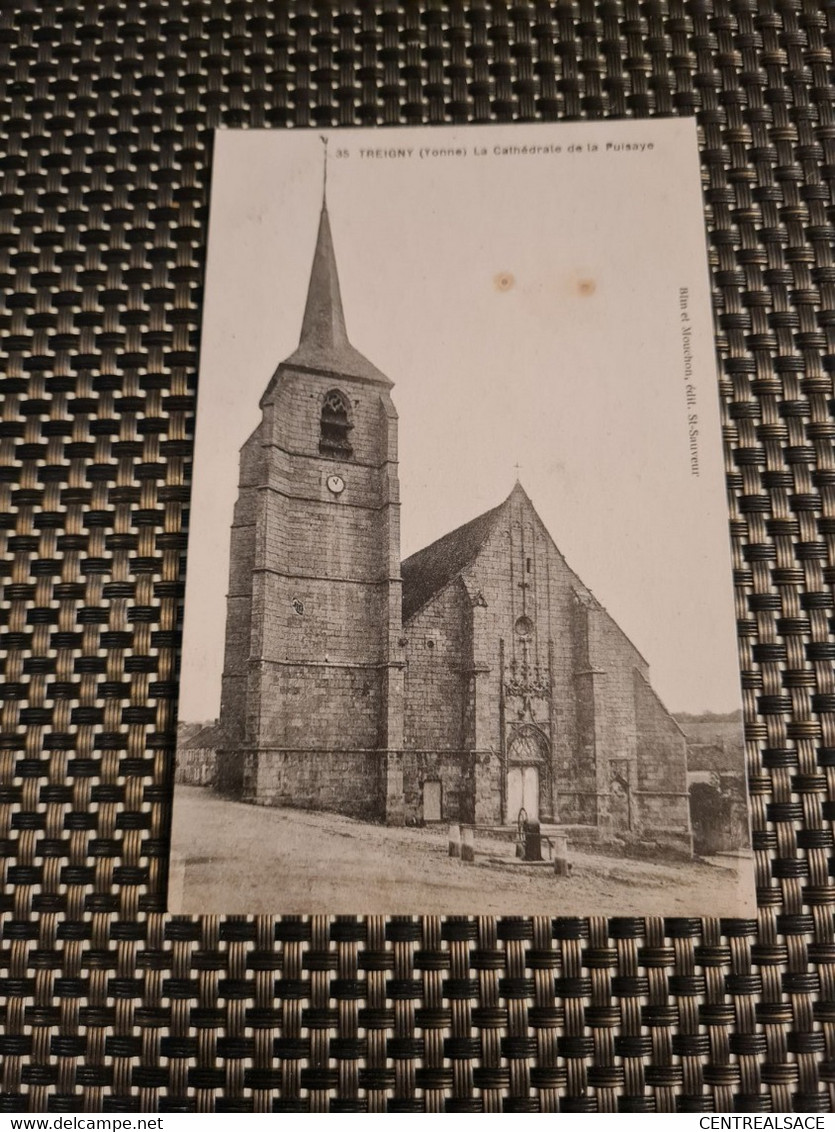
x,y
719,815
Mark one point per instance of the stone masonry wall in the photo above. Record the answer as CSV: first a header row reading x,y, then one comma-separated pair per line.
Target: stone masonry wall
x,y
347,782
321,620
435,679
327,707
452,769
663,804
614,660
293,404
323,558
582,807
238,642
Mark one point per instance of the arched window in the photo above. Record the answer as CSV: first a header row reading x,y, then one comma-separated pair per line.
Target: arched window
x,y
335,426
527,744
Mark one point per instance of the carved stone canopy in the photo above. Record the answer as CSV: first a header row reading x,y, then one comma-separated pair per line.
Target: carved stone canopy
x,y
533,687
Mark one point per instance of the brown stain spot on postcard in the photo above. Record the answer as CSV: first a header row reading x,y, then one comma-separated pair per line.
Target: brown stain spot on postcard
x,y
503,281
586,286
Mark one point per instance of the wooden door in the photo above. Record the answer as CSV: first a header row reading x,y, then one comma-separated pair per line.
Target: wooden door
x,y
523,792
531,793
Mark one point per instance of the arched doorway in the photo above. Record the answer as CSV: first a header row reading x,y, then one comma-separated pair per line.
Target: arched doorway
x,y
526,780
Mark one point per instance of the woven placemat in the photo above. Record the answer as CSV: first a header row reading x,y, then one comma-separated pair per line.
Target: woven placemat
x,y
106,113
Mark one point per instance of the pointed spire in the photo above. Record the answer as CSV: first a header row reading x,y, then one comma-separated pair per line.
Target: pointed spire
x,y
324,319
323,345
323,326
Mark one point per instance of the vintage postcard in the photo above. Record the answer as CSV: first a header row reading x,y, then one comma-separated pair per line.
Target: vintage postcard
x,y
459,632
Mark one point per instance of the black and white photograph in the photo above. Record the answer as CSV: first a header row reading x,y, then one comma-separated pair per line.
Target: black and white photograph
x,y
459,631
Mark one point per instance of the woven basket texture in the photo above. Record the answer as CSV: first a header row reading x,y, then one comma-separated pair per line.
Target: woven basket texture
x,y
106,115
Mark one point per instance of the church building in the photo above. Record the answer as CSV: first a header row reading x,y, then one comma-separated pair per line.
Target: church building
x,y
477,679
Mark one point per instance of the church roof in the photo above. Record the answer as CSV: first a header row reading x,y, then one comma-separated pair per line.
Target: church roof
x,y
429,570
324,344
206,735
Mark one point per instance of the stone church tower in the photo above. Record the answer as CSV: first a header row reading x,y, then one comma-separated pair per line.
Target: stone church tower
x,y
312,693
477,681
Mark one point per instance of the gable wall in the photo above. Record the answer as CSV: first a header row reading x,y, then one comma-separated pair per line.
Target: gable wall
x,y
597,724
520,553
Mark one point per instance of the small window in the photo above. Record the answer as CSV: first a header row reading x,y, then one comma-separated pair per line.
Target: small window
x,y
335,426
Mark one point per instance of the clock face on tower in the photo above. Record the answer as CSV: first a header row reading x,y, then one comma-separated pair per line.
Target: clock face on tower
x,y
336,484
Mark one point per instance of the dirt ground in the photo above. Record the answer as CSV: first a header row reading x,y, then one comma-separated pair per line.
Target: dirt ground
x,y
234,858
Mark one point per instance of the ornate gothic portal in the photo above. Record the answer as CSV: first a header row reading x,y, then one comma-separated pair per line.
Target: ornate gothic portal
x,y
527,774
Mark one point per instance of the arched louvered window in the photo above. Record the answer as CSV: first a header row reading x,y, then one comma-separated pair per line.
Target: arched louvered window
x,y
335,426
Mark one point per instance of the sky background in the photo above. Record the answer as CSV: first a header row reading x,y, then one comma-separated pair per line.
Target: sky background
x,y
526,306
